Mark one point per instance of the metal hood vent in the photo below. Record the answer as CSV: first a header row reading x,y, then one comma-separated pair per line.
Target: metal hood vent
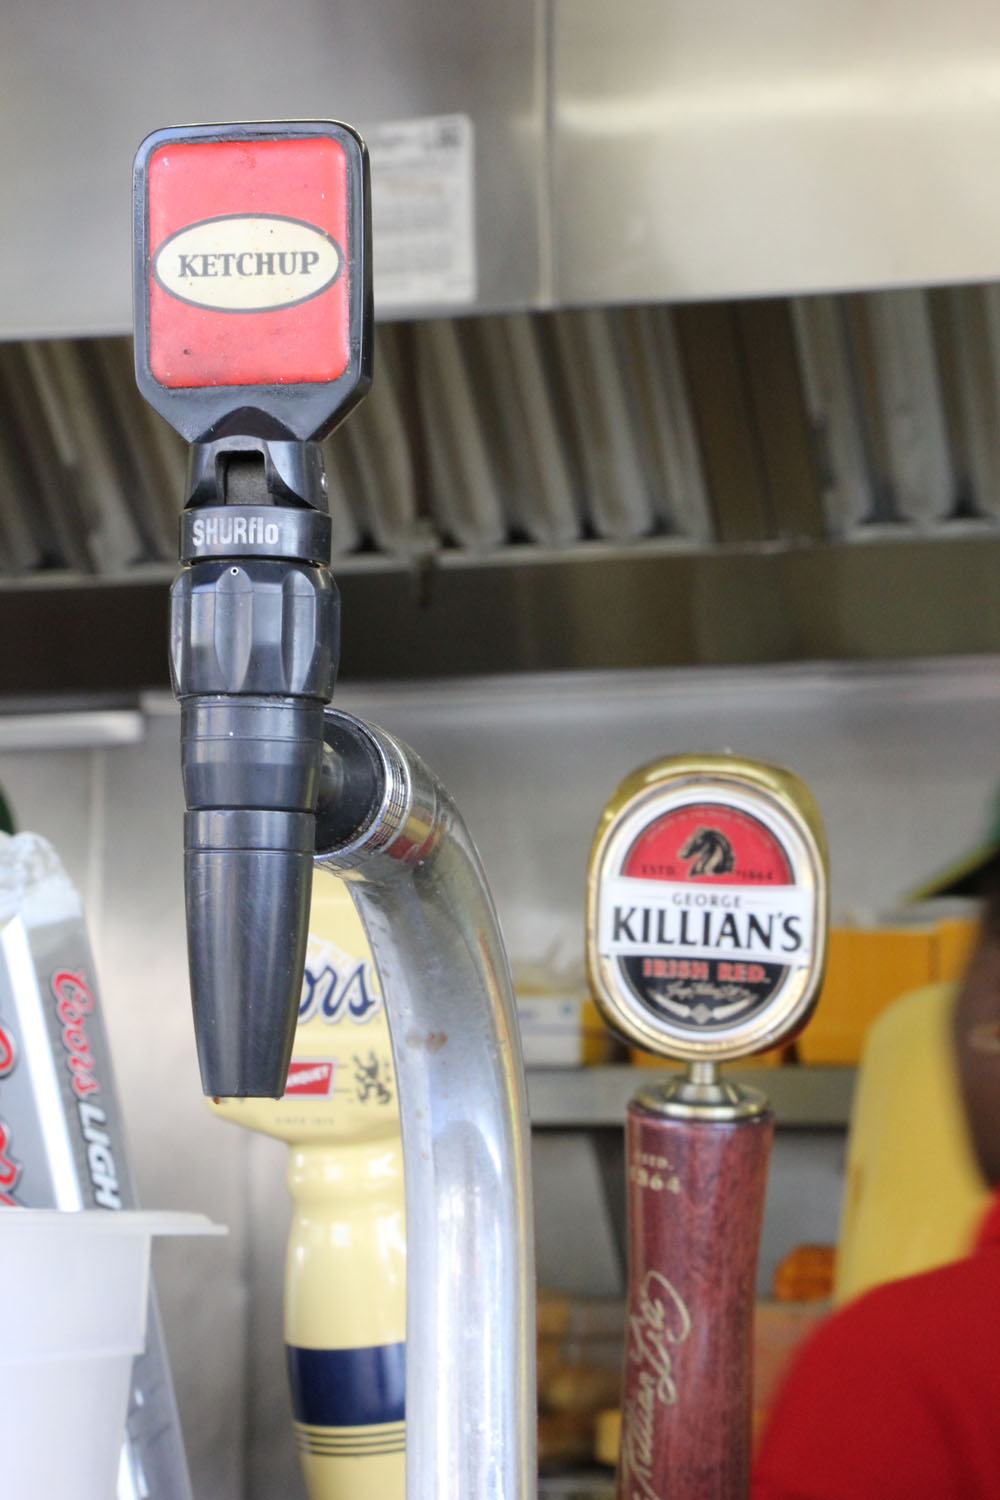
x,y
749,423
478,433
601,442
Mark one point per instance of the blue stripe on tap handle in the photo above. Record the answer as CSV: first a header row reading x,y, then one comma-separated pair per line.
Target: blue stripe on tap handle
x,y
347,1387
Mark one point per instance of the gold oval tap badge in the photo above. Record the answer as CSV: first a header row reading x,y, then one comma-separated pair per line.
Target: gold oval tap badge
x,y
707,907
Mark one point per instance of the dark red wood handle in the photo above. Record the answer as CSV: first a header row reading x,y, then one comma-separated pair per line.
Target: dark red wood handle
x,y
696,1199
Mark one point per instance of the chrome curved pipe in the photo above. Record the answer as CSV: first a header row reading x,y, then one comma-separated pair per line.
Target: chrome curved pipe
x,y
419,888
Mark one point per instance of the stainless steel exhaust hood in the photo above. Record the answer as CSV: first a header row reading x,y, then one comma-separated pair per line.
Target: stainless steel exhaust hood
x,y
80,86
723,482
608,464
653,150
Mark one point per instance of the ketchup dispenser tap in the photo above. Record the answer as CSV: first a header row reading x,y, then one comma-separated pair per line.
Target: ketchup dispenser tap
x,y
706,938
253,339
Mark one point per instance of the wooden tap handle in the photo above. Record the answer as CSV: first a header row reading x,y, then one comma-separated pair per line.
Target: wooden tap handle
x,y
695,1204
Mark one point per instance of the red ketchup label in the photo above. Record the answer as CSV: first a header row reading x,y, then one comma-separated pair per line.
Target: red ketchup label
x,y
704,918
248,275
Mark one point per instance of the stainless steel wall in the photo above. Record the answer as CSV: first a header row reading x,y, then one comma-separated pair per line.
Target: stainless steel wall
x,y
636,152
709,148
903,763
81,87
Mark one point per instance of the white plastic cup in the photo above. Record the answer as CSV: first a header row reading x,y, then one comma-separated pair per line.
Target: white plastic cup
x,y
74,1288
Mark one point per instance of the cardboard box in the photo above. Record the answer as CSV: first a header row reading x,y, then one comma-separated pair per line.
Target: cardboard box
x,y
867,968
956,938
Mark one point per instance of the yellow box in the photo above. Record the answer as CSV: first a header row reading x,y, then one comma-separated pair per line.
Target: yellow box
x,y
600,1044
770,1059
956,938
867,968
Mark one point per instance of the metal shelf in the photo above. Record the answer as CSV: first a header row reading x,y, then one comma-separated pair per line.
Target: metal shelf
x,y
531,609
591,1485
581,1098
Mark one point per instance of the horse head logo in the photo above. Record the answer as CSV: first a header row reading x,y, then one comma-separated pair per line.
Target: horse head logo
x,y
711,851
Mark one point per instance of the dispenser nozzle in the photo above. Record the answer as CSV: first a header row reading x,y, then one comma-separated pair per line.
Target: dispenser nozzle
x,y
253,339
255,644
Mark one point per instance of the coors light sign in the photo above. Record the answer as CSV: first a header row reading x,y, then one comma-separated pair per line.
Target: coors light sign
x,y
706,936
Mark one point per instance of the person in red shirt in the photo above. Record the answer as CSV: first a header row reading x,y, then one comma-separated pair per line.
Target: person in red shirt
x,y
898,1393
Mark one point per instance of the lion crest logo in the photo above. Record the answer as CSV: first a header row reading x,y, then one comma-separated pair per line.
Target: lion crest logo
x,y
711,851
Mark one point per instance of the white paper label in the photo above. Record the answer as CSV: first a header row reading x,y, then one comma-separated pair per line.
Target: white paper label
x,y
423,212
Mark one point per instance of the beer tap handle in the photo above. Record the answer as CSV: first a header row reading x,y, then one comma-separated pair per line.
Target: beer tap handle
x,y
695,1193
706,926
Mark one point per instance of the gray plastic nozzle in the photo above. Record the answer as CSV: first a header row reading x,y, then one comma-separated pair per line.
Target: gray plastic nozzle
x,y
254,649
248,877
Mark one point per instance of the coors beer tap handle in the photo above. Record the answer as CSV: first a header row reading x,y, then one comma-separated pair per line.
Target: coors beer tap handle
x,y
706,936
253,339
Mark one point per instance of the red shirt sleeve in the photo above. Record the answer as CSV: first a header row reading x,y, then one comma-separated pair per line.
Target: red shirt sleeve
x,y
854,1418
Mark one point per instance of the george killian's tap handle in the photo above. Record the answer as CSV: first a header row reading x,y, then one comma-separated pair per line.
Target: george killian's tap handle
x,y
253,339
706,932
695,1201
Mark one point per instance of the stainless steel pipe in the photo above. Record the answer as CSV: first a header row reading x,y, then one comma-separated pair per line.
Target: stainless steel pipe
x,y
419,888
